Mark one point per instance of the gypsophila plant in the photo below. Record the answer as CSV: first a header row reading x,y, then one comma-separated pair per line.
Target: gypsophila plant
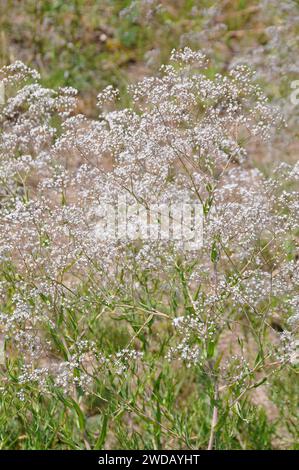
x,y
126,323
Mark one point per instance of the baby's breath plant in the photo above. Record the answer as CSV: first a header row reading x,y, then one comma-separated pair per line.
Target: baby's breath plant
x,y
168,342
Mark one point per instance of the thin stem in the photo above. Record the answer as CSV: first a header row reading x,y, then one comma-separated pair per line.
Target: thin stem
x,y
214,419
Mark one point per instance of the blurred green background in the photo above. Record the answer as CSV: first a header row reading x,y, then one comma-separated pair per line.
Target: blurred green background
x,y
89,44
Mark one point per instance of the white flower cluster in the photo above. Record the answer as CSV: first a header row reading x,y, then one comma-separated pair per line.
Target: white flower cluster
x,y
183,139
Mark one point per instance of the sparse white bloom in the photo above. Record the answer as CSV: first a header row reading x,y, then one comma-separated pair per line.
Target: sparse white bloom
x,y
182,140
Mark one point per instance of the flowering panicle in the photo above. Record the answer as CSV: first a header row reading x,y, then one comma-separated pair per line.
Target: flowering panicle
x,y
186,138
